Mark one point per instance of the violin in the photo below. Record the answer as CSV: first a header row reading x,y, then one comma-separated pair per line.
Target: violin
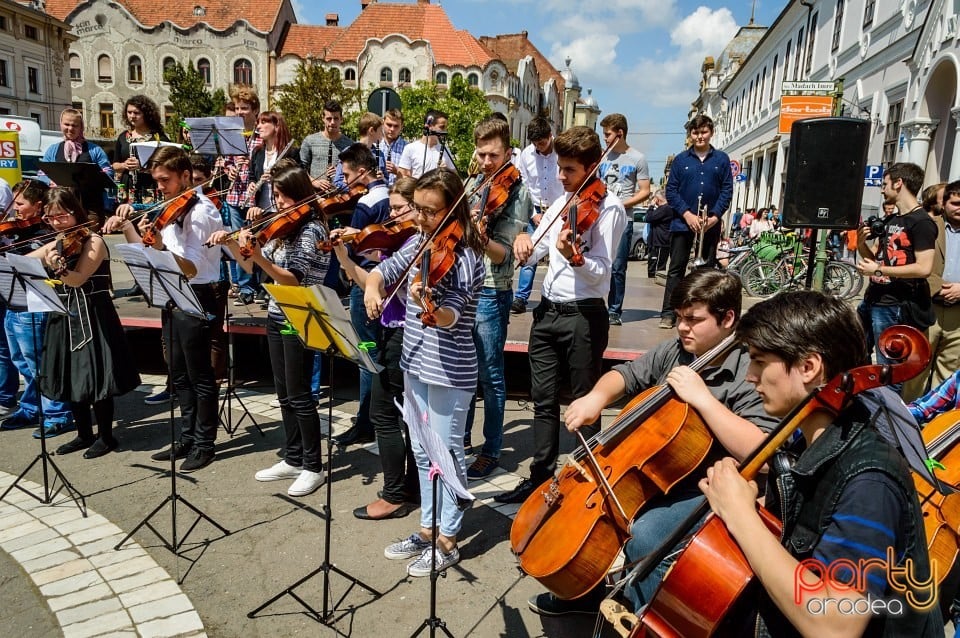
x,y
711,573
582,213
341,201
282,224
70,243
494,196
213,195
18,224
437,262
387,237
174,210
941,512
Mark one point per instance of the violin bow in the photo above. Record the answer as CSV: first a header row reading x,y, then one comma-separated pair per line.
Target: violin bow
x,y
92,223
263,178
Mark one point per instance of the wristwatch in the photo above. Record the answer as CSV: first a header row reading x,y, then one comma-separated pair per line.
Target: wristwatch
x,y
878,272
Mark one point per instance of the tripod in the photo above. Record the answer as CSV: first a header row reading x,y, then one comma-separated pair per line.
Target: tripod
x,y
336,337
27,272
230,395
163,281
433,621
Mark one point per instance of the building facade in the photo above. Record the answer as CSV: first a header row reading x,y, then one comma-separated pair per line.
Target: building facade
x,y
33,63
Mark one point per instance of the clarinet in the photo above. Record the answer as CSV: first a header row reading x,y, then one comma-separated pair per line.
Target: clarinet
x,y
329,158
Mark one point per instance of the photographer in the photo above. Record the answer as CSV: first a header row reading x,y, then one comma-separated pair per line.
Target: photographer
x,y
898,292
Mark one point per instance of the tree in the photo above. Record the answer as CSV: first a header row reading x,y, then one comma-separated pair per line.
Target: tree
x,y
190,97
302,100
465,106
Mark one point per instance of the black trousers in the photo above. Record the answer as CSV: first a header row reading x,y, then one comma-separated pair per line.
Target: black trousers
x,y
103,410
401,480
656,259
292,365
562,339
680,246
193,377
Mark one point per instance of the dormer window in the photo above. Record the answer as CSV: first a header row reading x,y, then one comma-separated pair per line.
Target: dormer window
x,y
199,11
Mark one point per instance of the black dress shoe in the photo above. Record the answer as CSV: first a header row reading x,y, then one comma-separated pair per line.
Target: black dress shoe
x,y
75,445
99,448
518,494
180,451
354,435
400,512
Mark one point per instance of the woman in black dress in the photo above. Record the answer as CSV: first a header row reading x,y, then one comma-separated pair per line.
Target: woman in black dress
x,y
142,117
85,359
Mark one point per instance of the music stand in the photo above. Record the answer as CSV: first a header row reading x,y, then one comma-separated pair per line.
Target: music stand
x,y
164,285
230,394
442,464
25,285
87,178
217,135
145,150
323,325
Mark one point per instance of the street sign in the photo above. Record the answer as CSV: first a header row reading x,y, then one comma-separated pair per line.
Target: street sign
x,y
740,178
873,175
735,167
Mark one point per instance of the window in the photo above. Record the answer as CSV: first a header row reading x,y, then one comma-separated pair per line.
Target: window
x,y
869,8
386,74
5,111
458,76
203,68
349,75
37,117
763,87
199,11
30,32
811,42
76,72
77,105
786,59
4,78
243,71
404,76
837,26
104,69
796,67
3,23
773,78
891,134
135,70
441,77
169,64
473,79
106,119
167,113
33,80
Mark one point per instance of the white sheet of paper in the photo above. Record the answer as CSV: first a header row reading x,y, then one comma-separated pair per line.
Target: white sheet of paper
x,y
41,297
166,284
436,450
11,291
145,150
228,139
340,321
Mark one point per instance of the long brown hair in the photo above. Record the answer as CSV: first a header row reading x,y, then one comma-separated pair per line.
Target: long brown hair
x,y
63,198
283,133
447,183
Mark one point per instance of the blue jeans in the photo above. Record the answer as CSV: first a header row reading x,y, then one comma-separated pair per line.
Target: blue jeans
x,y
21,329
368,331
875,320
9,379
315,377
240,277
490,335
618,276
445,411
527,274
648,531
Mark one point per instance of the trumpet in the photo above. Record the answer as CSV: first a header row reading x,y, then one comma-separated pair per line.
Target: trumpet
x,y
699,261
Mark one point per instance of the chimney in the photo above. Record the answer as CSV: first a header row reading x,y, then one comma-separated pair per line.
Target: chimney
x,y
364,4
423,1
333,19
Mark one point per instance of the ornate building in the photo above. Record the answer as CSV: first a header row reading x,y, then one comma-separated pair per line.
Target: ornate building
x,y
33,57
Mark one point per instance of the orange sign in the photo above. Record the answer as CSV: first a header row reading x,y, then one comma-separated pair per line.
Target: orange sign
x,y
802,107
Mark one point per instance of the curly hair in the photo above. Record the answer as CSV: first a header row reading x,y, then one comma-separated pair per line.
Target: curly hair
x,y
150,110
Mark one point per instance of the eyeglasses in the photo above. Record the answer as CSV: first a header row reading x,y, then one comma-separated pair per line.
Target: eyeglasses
x,y
427,212
400,208
49,218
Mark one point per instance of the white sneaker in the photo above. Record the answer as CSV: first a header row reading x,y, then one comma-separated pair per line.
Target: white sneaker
x,y
278,472
306,483
421,567
408,547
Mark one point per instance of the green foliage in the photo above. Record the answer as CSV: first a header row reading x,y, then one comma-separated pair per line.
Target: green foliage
x,y
465,105
190,97
301,101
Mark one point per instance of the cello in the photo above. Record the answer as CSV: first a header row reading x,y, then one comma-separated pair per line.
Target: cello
x,y
941,512
711,573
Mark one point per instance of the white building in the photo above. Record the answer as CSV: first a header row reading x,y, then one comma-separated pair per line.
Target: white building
x,y
899,67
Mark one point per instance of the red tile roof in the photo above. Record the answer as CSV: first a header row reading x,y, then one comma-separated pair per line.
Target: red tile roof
x,y
513,47
304,40
219,14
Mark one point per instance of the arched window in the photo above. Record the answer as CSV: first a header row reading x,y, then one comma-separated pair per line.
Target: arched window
x,y
441,77
336,73
243,71
76,72
203,68
458,75
350,75
404,76
168,65
386,74
104,68
135,70
473,79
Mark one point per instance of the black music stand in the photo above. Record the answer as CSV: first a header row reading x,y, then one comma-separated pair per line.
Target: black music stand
x,y
164,285
442,464
29,288
323,325
87,178
230,393
219,135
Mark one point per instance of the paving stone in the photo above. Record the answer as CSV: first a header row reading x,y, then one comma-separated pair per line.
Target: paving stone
x,y
30,540
139,580
153,591
101,546
48,561
94,534
15,516
129,552
58,515
70,584
39,549
78,524
127,568
109,622
85,595
21,530
66,570
88,611
161,608
173,626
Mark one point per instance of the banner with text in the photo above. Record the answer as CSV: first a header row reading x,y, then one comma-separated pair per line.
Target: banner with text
x,y
10,168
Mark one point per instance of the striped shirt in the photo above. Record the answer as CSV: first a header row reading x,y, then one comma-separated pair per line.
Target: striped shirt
x,y
440,356
300,256
939,400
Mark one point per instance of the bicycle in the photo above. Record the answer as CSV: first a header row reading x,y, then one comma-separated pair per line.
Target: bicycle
x,y
790,272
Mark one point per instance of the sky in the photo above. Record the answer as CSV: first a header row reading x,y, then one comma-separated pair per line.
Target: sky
x,y
641,58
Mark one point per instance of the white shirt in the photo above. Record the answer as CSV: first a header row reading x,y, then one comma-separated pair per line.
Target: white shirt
x,y
565,283
539,173
412,158
186,240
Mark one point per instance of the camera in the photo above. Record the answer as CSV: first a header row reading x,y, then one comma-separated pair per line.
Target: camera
x,y
876,226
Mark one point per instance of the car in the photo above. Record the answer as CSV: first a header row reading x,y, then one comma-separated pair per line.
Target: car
x,y
638,250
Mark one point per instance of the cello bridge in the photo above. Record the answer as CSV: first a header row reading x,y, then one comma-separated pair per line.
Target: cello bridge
x,y
552,494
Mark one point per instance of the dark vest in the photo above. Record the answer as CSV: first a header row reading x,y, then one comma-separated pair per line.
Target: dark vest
x,y
83,157
805,497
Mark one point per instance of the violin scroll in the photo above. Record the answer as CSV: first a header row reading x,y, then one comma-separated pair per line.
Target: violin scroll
x,y
908,348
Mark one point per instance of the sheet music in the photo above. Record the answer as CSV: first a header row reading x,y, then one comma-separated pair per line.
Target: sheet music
x,y
145,150
40,296
339,320
217,135
160,278
12,291
436,450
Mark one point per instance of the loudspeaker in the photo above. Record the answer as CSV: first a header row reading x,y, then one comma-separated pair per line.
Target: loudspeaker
x,y
825,173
